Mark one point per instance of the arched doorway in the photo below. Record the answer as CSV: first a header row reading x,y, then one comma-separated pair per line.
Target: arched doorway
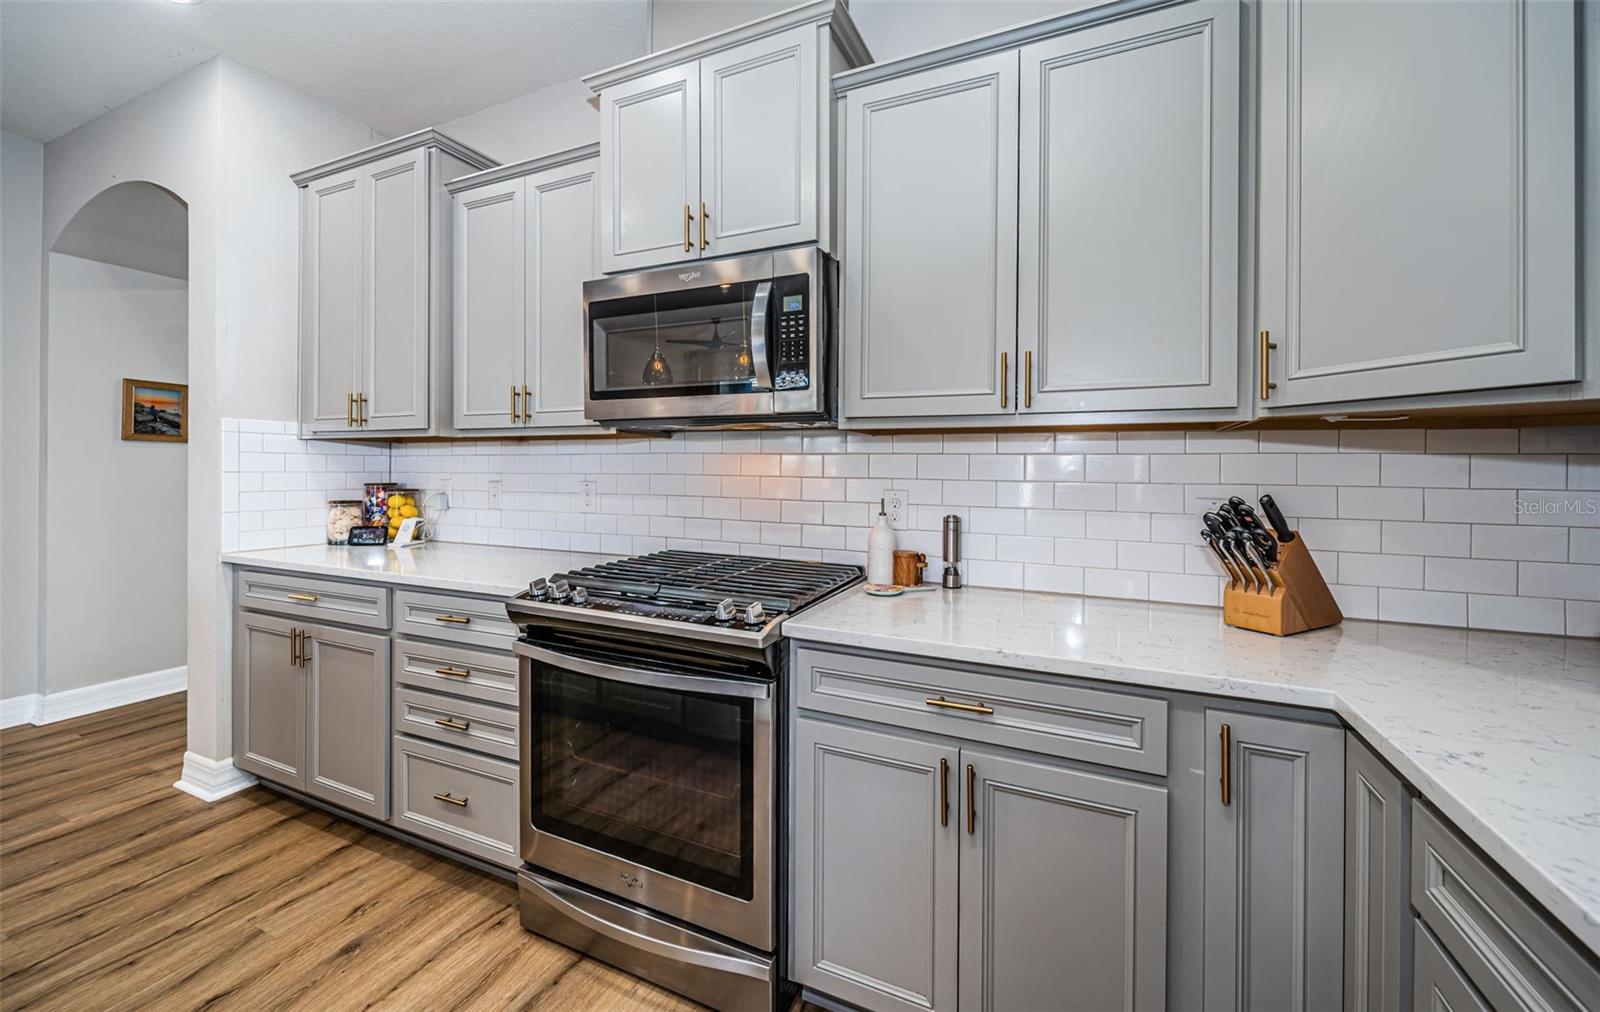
x,y
114,518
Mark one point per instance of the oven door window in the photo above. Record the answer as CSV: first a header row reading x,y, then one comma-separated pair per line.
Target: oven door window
x,y
656,777
688,343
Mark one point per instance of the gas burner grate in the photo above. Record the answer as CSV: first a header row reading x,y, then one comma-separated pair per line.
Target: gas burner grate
x,y
781,585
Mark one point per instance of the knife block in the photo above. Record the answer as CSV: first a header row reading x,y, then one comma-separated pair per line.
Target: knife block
x,y
1298,602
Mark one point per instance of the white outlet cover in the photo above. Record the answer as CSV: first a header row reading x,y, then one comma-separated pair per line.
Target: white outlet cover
x,y
896,503
496,488
588,499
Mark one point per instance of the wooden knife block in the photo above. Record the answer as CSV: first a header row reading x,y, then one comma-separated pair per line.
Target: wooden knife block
x,y
1299,600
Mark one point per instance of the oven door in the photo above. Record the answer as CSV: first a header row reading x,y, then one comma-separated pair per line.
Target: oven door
x,y
651,783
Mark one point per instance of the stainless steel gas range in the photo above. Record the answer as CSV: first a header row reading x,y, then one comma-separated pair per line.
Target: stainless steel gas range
x,y
650,811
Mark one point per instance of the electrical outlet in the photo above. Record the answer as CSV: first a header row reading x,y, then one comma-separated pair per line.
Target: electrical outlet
x,y
446,486
894,504
588,498
496,488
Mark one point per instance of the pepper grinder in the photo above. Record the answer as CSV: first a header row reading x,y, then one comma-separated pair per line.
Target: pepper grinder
x,y
952,552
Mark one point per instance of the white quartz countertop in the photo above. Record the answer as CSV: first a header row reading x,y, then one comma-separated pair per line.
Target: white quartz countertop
x,y
1499,731
473,569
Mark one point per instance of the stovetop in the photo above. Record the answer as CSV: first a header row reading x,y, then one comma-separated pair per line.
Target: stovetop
x,y
701,594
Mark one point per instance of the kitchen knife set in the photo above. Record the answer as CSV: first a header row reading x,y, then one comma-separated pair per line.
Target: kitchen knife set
x,y
1274,585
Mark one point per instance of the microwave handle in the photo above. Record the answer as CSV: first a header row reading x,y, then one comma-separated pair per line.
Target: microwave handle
x,y
758,335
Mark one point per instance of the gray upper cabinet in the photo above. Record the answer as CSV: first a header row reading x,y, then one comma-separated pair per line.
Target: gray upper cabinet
x,y
930,265
1377,915
1128,265
269,700
347,719
1274,857
721,146
875,867
1063,888
375,287
524,239
1417,233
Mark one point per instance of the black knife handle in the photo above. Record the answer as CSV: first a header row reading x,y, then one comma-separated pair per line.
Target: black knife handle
x,y
1215,524
1280,526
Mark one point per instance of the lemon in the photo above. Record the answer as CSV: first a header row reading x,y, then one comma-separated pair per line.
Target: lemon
x,y
408,511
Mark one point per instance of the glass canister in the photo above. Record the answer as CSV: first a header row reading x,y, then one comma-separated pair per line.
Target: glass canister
x,y
403,503
344,514
375,506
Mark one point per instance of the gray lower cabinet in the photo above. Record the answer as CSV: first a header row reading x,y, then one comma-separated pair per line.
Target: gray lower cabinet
x,y
1439,985
934,876
1377,917
269,700
1274,842
1063,888
875,866
347,719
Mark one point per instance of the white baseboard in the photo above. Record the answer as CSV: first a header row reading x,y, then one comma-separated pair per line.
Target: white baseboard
x,y
212,779
54,706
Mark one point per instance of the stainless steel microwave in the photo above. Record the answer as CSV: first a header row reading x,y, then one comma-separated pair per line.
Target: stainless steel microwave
x,y
745,341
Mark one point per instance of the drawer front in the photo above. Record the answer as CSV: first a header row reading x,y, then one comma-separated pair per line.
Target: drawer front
x,y
456,722
1507,948
482,817
1437,985
356,604
1108,728
460,671
471,621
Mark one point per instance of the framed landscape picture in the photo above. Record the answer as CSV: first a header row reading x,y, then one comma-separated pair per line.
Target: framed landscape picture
x,y
155,411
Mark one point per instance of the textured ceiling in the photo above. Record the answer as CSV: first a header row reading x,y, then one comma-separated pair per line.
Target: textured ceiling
x,y
396,66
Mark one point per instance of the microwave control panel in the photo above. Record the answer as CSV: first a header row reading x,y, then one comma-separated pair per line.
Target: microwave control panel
x,y
793,370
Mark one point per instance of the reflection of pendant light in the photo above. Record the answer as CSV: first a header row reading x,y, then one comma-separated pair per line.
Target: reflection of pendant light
x,y
743,359
656,370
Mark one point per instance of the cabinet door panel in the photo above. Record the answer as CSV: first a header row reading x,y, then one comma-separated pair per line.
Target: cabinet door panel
x,y
1274,865
650,169
930,263
396,346
331,301
1063,889
269,701
489,304
1377,928
1417,233
560,257
759,143
346,719
1129,266
875,871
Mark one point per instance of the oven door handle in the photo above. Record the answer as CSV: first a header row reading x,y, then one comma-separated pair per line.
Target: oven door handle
x,y
575,905
639,676
758,335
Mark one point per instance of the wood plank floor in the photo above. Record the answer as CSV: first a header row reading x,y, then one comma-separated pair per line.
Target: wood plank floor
x,y
119,892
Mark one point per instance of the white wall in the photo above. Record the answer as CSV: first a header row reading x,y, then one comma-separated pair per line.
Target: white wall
x,y
21,207
114,563
551,119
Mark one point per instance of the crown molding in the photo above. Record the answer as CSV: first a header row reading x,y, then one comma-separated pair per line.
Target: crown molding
x,y
525,167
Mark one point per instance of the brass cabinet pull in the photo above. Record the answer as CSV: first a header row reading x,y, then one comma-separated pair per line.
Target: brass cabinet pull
x,y
704,217
1267,345
350,410
452,672
361,410
447,799
688,218
305,648
972,801
527,403
1003,371
514,414
1027,385
1226,737
945,704
454,725
944,791
302,597
294,648
457,619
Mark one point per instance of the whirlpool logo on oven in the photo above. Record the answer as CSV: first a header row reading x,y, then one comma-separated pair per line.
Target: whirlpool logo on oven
x,y
631,881
688,275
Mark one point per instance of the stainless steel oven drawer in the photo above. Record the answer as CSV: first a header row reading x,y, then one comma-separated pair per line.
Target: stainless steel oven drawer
x,y
357,604
456,722
470,621
1049,717
456,798
488,676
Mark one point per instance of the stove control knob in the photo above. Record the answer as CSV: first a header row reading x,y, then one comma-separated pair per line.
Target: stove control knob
x,y
539,590
755,616
580,596
726,612
560,592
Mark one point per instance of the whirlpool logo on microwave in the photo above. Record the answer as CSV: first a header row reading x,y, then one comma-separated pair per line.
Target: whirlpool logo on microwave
x,y
688,275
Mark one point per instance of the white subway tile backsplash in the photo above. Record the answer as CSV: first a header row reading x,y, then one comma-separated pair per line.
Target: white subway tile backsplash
x,y
1425,470
1380,503
1473,441
1516,614
1364,569
1531,544
1583,618
1573,581
1511,470
1382,440
1473,576
1583,471
1424,607
1427,539
1470,506
1339,469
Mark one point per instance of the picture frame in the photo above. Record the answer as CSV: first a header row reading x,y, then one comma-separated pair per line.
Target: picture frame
x,y
154,411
